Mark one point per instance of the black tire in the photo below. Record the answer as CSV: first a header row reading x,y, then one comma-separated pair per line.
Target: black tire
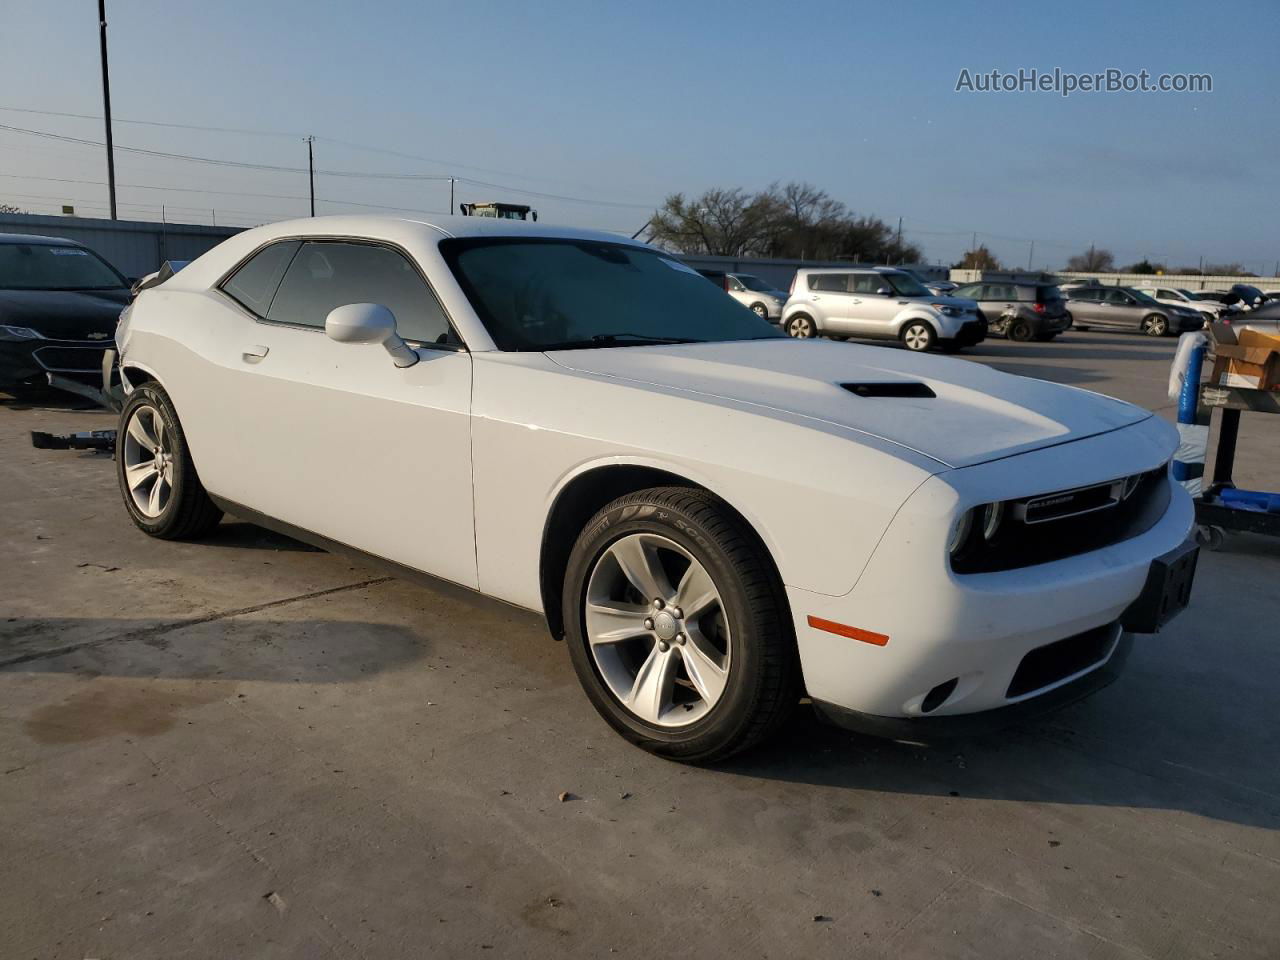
x,y
760,310
1155,325
1020,330
188,512
801,326
918,336
763,681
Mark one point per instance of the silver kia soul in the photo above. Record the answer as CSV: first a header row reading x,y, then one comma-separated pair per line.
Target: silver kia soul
x,y
880,303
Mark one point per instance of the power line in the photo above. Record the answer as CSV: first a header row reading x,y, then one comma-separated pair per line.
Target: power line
x,y
276,168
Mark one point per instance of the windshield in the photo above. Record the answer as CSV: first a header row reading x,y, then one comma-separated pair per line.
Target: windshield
x,y
1143,297
1189,295
906,285
551,294
42,266
754,283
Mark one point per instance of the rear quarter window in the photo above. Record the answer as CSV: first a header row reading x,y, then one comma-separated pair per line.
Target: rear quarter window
x,y
255,281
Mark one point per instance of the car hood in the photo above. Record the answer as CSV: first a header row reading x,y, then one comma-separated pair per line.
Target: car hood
x,y
978,414
63,314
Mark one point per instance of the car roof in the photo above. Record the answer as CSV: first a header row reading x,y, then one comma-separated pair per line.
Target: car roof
x,y
449,226
32,238
851,269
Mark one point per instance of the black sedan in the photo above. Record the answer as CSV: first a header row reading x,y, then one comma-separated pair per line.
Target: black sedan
x,y
59,303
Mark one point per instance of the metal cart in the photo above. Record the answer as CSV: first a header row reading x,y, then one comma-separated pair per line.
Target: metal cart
x,y
1213,514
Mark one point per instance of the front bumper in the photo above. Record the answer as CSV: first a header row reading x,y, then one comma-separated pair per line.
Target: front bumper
x,y
978,629
26,362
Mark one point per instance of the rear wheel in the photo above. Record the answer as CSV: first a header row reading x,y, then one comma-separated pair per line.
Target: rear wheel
x,y
760,310
677,625
802,327
1155,325
1019,330
158,480
918,336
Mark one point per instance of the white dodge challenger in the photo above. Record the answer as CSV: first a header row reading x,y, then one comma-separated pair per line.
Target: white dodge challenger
x,y
718,519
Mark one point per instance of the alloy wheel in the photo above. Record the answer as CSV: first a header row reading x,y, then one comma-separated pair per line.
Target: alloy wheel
x,y
657,630
801,328
916,337
149,466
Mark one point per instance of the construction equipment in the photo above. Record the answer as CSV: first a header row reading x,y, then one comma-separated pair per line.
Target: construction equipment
x,y
503,211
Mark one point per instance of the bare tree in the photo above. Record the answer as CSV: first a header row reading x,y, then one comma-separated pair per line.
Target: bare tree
x,y
797,220
1093,260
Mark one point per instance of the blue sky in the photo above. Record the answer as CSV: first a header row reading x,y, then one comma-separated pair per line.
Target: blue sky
x,y
628,102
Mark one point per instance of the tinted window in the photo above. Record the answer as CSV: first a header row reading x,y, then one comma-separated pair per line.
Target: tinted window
x,y
255,283
1001,291
868,283
1118,297
1167,295
1045,294
42,266
834,282
549,294
328,274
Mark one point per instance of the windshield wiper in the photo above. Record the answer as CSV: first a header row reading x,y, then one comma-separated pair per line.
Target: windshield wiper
x,y
616,340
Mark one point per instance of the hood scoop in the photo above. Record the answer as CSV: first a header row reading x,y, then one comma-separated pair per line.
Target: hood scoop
x,y
893,388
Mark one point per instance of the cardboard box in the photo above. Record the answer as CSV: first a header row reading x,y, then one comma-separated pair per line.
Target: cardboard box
x,y
1250,360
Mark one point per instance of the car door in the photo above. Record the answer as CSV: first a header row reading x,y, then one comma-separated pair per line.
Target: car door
x,y
1086,306
1121,310
829,299
334,437
872,311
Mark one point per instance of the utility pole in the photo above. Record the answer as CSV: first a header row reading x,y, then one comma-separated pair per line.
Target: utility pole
x,y
106,105
311,172
1031,253
899,235
451,206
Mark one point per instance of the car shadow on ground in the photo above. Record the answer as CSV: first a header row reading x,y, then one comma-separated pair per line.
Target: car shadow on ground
x,y
237,533
1062,760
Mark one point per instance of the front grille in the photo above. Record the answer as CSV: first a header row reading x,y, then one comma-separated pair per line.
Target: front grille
x,y
1056,661
71,359
1053,526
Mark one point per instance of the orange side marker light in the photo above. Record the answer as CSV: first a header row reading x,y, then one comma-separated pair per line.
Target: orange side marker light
x,y
844,630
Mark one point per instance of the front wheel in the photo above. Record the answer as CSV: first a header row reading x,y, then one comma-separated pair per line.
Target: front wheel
x,y
1155,325
802,327
158,480
918,336
760,310
677,625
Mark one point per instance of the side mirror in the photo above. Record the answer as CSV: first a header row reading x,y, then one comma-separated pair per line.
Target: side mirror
x,y
882,291
369,323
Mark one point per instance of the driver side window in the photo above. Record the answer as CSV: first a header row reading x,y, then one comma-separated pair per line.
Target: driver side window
x,y
326,274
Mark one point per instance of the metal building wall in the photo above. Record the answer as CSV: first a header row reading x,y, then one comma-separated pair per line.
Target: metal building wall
x,y
134,247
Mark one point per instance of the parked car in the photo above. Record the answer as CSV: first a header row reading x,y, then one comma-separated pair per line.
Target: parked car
x,y
764,298
1127,309
879,303
59,302
1173,296
1020,310
717,518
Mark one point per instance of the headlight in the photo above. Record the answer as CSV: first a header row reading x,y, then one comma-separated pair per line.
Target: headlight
x,y
20,333
960,532
992,514
945,309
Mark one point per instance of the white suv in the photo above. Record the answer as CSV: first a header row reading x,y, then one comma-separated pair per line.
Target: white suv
x,y
880,303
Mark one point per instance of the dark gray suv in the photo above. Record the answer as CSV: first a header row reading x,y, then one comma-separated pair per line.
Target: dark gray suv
x,y
1128,309
1019,310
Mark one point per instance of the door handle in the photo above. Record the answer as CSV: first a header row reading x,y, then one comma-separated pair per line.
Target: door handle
x,y
815,299
854,300
254,354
